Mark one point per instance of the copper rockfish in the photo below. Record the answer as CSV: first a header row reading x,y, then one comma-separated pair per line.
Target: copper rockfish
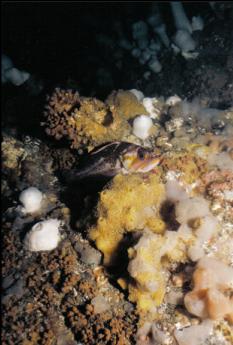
x,y
113,158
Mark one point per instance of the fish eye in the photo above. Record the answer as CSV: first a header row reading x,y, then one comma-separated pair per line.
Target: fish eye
x,y
141,154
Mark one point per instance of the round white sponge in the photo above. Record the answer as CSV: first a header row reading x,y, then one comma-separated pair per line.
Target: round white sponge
x,y
31,199
141,126
44,235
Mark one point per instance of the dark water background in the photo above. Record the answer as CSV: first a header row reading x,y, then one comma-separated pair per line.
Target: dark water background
x,y
57,40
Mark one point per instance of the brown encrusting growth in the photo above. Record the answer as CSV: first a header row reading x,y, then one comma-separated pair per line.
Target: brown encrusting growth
x,y
88,122
47,297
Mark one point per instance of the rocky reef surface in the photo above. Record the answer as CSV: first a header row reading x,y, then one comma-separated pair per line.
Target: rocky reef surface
x,y
140,258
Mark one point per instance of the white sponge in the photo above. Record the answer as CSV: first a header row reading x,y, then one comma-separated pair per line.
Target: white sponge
x,y
31,198
184,41
196,207
12,74
141,126
16,77
44,235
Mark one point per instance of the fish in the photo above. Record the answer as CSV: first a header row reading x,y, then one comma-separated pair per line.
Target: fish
x,y
113,158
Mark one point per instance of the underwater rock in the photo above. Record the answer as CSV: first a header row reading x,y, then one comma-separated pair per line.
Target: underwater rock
x,y
88,254
100,304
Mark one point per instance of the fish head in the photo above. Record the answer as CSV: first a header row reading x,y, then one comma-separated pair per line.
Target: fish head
x,y
139,159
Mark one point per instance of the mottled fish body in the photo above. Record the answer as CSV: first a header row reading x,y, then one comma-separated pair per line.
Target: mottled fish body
x,y
113,158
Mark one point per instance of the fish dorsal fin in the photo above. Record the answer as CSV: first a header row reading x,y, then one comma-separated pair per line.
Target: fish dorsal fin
x,y
113,145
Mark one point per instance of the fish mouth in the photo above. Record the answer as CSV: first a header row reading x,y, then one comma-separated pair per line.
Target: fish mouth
x,y
143,166
140,160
